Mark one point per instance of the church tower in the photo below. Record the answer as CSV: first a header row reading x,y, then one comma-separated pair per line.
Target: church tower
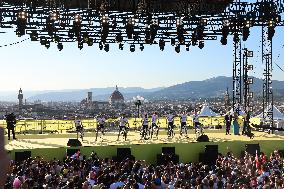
x,y
20,98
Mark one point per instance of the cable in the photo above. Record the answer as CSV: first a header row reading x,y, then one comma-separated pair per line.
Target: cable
x,y
15,43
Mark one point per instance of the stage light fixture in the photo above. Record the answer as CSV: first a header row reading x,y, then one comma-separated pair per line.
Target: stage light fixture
x,y
153,31
173,42
60,46
199,32
71,33
101,46
120,46
224,40
270,33
141,47
132,48
187,47
204,21
246,31
42,40
106,48
77,18
162,44
177,48
47,44
201,44
21,23
119,38
77,25
54,16
105,28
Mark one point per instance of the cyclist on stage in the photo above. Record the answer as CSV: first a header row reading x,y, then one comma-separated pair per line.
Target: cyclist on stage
x,y
122,126
145,123
183,119
154,125
79,128
170,120
100,125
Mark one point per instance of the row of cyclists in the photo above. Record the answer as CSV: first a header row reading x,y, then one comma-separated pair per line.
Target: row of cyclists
x,y
147,131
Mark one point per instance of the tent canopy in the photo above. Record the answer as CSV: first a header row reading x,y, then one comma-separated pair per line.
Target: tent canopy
x,y
206,111
277,115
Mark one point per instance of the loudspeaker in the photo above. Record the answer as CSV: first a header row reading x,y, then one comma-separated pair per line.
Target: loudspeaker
x,y
71,152
168,150
203,138
211,149
252,148
74,142
123,152
21,156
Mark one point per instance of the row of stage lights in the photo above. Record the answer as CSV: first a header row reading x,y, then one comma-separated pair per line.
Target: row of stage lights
x,y
151,31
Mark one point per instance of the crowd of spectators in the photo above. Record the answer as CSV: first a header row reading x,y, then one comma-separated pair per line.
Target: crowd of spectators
x,y
79,171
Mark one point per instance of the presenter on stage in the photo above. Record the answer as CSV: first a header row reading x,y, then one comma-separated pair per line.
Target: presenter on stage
x,y
235,124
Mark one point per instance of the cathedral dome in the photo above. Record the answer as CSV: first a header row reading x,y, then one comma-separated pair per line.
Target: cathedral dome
x,y
116,97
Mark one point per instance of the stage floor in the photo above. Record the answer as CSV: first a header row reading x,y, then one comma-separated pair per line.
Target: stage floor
x,y
41,141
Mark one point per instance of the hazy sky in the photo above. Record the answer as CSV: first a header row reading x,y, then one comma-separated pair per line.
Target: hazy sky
x,y
33,67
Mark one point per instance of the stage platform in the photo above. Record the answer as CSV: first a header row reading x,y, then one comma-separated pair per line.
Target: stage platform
x,y
51,146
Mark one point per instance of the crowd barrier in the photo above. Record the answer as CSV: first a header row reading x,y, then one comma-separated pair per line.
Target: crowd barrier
x,y
35,126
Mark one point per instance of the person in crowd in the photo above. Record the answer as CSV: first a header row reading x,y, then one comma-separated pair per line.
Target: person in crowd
x,y
4,160
11,124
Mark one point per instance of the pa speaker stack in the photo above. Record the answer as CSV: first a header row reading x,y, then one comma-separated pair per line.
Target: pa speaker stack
x,y
168,155
210,156
123,154
252,149
21,156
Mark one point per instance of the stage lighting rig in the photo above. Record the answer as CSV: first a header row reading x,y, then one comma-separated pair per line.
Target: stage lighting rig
x,y
180,32
173,42
236,38
101,46
187,47
80,44
154,27
42,40
34,36
47,44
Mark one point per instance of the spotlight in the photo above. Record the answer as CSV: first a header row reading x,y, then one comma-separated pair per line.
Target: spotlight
x,y
201,44
21,23
225,33
101,46
120,46
71,33
106,47
246,31
177,48
199,32
60,46
141,47
132,48
77,25
173,42
54,16
77,18
162,44
153,31
80,45
47,44
187,47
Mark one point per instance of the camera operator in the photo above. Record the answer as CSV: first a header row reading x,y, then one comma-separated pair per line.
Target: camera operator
x,y
11,124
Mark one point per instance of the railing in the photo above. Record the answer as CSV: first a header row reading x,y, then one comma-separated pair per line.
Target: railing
x,y
47,126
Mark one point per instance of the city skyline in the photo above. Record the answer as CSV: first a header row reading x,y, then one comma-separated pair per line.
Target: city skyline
x,y
36,68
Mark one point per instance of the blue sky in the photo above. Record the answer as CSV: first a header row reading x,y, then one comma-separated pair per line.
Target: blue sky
x,y
33,67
